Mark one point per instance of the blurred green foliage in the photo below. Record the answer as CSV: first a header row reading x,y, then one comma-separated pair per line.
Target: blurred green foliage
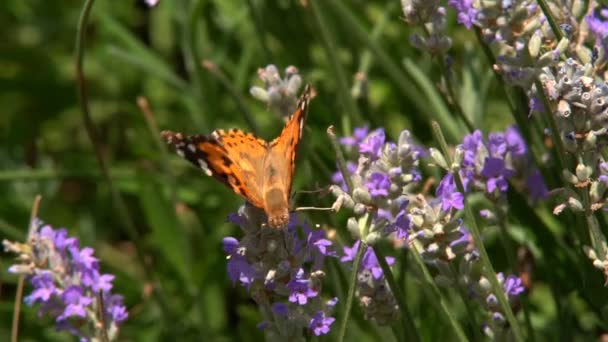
x,y
179,215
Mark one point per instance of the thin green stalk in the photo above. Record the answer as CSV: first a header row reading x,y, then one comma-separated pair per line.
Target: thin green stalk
x,y
118,201
508,247
518,115
450,88
462,293
598,240
475,232
215,71
144,106
557,139
438,298
21,281
505,239
331,49
366,57
407,320
340,159
403,81
351,286
452,95
554,27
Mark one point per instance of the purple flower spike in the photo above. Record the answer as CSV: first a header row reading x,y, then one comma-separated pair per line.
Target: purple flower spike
x,y
67,282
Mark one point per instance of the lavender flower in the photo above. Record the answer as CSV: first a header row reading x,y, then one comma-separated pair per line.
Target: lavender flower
x,y
486,166
376,299
282,270
432,17
67,283
281,94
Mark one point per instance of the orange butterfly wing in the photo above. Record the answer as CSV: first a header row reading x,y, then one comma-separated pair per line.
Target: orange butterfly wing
x,y
234,158
260,172
285,146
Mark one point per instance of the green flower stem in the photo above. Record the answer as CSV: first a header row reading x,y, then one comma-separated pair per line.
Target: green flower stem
x,y
508,246
402,80
21,280
485,259
455,104
340,159
258,25
517,113
331,49
407,320
557,139
118,201
216,72
598,240
450,87
467,305
351,285
366,57
438,299
554,27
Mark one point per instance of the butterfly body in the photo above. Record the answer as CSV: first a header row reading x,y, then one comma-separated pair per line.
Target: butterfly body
x,y
259,171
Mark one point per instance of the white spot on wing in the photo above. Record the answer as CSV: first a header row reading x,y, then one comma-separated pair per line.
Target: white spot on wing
x,y
203,165
192,148
180,153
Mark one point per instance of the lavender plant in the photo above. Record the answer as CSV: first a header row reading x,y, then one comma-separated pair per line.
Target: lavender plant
x,y
430,225
67,283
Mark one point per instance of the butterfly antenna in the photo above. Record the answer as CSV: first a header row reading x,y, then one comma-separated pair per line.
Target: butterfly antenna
x,y
314,209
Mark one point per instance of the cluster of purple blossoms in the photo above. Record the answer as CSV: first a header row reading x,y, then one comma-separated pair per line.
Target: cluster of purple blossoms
x,y
67,283
281,94
282,271
430,225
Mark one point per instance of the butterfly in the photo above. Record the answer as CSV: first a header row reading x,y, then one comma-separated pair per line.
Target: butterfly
x,y
259,171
